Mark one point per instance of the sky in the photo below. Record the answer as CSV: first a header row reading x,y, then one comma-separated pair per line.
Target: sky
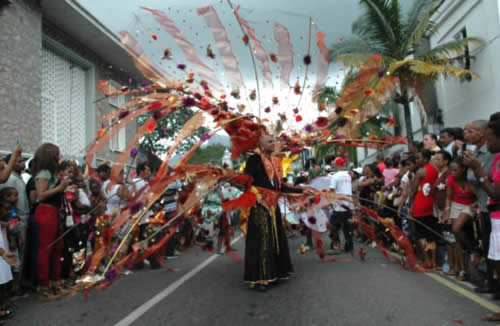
x,y
331,17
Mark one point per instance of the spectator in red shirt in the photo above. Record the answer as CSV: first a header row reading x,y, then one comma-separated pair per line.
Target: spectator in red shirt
x,y
422,206
380,163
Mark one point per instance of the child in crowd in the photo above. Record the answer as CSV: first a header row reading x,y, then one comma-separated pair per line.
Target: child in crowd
x,y
7,259
14,237
461,197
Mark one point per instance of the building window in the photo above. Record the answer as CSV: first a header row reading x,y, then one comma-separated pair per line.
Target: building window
x,y
464,60
118,142
63,104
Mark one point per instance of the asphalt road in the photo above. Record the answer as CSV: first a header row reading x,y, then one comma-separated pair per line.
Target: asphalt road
x,y
208,290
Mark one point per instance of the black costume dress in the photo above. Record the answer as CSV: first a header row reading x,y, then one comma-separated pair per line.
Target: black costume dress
x,y
267,257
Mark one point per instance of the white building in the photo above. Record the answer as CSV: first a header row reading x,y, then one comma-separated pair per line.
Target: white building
x,y
463,101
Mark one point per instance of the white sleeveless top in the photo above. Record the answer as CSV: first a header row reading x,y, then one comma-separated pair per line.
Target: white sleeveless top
x,y
114,204
5,269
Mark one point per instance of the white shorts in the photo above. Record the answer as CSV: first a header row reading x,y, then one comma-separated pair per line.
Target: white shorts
x,y
457,209
494,252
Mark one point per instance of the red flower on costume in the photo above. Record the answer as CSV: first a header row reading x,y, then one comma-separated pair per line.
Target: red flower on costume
x,y
154,106
322,122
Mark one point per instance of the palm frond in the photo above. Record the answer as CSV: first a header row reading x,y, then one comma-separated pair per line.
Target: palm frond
x,y
450,50
327,95
354,47
378,19
414,17
432,71
374,127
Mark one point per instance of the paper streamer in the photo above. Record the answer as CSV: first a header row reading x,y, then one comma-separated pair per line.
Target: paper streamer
x,y
150,70
323,62
260,52
223,44
188,48
285,54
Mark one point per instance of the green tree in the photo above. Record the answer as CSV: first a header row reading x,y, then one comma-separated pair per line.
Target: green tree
x,y
383,29
156,143
212,154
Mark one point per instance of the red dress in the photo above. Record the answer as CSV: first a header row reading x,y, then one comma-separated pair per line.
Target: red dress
x,y
424,200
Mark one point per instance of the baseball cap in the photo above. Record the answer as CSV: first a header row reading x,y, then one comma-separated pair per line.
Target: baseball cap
x,y
339,161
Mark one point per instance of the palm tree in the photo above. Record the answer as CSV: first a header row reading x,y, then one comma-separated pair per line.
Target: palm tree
x,y
326,96
383,29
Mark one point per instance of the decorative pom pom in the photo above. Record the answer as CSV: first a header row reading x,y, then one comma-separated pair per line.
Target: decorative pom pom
x,y
321,122
309,128
296,110
151,126
298,118
154,106
181,66
253,95
157,115
307,60
338,110
167,54
123,114
267,110
312,220
210,53
342,121
137,206
133,152
154,37
204,138
245,39
189,101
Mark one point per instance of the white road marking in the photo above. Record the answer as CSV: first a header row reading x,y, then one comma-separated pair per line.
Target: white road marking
x,y
141,310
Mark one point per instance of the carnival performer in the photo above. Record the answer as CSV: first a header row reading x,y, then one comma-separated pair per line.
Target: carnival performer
x,y
267,257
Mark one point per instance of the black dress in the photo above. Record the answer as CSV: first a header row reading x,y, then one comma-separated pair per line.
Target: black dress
x,y
267,257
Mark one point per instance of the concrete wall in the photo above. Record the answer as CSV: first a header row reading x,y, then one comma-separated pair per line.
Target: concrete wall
x,y
23,30
20,75
463,101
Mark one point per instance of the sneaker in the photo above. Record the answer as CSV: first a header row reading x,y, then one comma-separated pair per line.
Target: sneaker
x,y
461,276
475,259
171,257
219,253
47,295
373,244
334,251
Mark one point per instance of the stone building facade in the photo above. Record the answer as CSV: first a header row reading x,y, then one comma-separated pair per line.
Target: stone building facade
x,y
49,75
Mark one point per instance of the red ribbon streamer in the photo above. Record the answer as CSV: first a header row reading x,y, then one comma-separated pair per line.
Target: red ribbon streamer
x,y
323,62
